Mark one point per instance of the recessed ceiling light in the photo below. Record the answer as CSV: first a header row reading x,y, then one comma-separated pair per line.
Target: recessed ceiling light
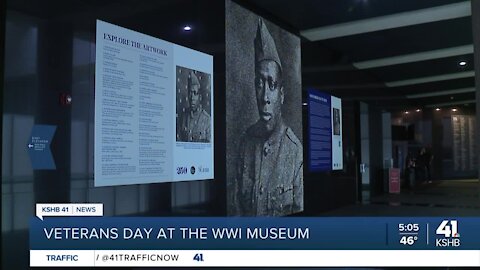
x,y
304,104
462,63
406,112
437,109
418,110
187,28
454,110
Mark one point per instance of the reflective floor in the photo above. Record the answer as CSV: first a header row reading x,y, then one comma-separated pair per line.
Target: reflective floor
x,y
439,198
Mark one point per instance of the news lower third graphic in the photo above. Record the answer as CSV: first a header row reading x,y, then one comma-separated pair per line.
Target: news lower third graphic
x,y
80,235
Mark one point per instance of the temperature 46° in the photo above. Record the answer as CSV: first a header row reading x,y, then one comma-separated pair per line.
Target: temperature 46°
x,y
408,240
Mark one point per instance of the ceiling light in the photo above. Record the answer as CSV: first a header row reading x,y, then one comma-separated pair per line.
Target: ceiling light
x,y
406,112
437,109
454,110
418,110
462,63
187,28
304,104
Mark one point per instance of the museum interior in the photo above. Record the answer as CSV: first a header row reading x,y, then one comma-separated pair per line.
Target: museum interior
x,y
405,71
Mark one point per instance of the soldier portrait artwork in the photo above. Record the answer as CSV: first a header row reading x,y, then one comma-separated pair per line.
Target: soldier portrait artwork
x,y
336,121
193,119
268,158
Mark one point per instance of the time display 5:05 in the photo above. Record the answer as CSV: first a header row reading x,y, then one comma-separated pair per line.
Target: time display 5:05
x,y
408,227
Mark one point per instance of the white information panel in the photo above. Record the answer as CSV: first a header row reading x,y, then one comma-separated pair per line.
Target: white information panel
x,y
153,110
337,148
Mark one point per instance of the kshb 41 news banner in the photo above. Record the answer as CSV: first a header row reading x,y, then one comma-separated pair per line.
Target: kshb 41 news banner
x,y
65,235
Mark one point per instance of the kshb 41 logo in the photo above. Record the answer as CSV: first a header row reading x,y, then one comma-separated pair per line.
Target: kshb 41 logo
x,y
449,230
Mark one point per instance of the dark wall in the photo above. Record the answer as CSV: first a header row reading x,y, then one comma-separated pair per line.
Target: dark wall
x,y
377,181
476,42
443,146
434,130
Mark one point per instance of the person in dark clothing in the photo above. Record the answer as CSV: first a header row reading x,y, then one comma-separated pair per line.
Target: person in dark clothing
x,y
421,165
410,170
428,165
424,162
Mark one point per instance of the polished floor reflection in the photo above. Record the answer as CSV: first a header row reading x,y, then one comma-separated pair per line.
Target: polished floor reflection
x,y
440,198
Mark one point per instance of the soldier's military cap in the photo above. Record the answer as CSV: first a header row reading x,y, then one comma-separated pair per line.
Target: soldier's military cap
x,y
265,48
193,80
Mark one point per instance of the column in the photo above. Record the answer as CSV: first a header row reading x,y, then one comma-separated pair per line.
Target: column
x,y
476,45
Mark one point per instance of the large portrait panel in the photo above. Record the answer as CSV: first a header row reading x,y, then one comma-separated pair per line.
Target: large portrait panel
x,y
264,116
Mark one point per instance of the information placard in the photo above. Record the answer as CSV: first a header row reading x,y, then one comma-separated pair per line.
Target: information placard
x,y
320,131
325,131
337,147
153,109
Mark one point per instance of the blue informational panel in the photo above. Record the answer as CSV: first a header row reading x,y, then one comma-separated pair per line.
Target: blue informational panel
x,y
325,131
39,147
320,130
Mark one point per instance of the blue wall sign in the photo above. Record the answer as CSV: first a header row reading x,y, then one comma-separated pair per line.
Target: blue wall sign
x,y
39,147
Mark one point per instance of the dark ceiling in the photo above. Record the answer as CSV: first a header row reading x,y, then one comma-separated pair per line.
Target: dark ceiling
x,y
398,54
305,14
415,45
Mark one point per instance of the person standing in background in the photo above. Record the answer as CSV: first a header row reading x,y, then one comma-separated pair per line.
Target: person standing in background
x,y
428,164
421,167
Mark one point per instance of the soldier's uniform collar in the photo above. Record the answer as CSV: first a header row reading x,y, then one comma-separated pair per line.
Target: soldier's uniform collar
x,y
258,130
277,134
199,110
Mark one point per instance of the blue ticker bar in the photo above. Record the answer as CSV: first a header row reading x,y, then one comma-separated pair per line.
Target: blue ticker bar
x,y
288,233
